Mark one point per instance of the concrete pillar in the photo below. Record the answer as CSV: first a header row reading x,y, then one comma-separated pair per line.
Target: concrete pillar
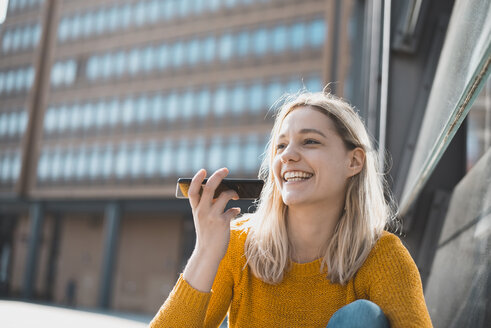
x,y
111,232
36,218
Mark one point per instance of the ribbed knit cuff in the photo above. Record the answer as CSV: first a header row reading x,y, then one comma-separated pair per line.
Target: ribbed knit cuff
x,y
190,296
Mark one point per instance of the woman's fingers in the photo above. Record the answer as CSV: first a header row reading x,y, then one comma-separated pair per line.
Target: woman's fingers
x,y
212,184
231,213
194,188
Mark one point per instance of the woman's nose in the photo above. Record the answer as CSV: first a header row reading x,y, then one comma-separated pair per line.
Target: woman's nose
x,y
289,154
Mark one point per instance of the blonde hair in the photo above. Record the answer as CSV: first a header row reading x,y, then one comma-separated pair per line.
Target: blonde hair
x,y
267,248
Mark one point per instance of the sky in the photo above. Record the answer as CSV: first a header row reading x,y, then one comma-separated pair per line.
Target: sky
x,y
3,9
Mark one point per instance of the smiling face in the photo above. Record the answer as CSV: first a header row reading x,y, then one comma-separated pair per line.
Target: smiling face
x,y
311,165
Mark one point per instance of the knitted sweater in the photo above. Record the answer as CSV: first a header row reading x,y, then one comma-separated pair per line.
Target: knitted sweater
x,y
305,297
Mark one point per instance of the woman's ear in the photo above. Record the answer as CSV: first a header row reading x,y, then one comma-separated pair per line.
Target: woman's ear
x,y
357,160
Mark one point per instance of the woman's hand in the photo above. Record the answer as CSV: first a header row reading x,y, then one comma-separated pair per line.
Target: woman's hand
x,y
212,226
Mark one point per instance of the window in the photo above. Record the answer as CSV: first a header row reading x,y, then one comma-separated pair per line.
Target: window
x,y
88,116
94,163
113,109
260,41
163,56
62,119
239,99
225,47
215,154
297,36
50,120
187,104
126,15
122,162
139,11
76,27
294,85
256,97
68,165
314,84
113,18
172,106
250,155
151,160
316,33
157,108
63,29
128,111
209,49
153,9
184,7
233,156
107,161
136,166
148,58
87,24
81,163
182,158
168,9
177,54
274,92
119,63
198,155
193,52
134,61
204,100
166,161
220,103
242,43
101,114
76,117
42,167
280,39
142,109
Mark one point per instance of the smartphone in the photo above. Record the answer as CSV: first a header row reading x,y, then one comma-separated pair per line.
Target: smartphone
x,y
245,188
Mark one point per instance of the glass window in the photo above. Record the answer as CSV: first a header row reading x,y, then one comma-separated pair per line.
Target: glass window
x,y
163,56
3,124
151,159
215,154
209,49
317,30
242,43
187,104
172,106
63,29
113,18
50,120
68,165
36,34
198,6
184,7
213,5
297,36
92,69
107,161
12,123
42,167
198,155
203,102
2,82
81,163
16,165
126,15
233,156
29,77
76,27
87,24
94,163
230,3
168,9
182,158
70,71
314,84
193,52
142,109
157,108
166,161
101,114
120,63
16,40
26,37
62,118
280,39
239,99
10,81
220,101
76,116
256,96
250,154
260,41
274,92
23,122
294,85
122,162
20,80
7,41
177,54
136,166
225,51
88,116
140,13
100,21
114,112
153,9
128,111
148,58
134,61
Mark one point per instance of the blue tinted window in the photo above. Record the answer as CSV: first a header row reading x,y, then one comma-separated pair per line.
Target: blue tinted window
x,y
198,6
119,63
178,54
157,108
209,49
203,102
122,161
136,160
295,85
215,153
163,56
198,154
76,27
225,47
100,24
317,30
274,92
184,7
142,109
260,41
134,61
107,162
250,154
213,5
233,156
153,10
114,15
114,112
139,13
167,159
62,30
148,58
220,103
314,84
128,111
297,36
172,106
193,51
187,104
256,97
182,158
242,43
150,154
239,99
280,39
168,9
126,15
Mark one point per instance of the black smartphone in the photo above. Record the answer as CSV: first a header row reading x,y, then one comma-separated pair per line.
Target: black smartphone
x,y
245,188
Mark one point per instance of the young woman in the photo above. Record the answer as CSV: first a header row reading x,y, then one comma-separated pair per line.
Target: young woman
x,y
315,252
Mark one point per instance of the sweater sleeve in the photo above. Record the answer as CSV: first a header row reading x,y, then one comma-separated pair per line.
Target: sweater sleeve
x,y
188,307
391,280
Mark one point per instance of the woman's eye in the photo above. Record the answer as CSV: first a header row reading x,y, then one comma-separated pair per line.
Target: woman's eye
x,y
280,146
310,141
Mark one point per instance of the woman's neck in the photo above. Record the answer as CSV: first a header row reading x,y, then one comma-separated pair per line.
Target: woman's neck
x,y
310,229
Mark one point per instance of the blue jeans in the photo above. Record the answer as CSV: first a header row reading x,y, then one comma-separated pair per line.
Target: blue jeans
x,y
360,313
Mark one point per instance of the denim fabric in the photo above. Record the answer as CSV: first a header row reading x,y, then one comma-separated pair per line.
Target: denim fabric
x,y
359,314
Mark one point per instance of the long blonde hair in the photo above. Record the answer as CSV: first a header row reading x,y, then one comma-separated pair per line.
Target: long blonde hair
x,y
267,248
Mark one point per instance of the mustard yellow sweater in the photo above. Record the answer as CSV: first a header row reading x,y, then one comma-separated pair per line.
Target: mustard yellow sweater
x,y
305,297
